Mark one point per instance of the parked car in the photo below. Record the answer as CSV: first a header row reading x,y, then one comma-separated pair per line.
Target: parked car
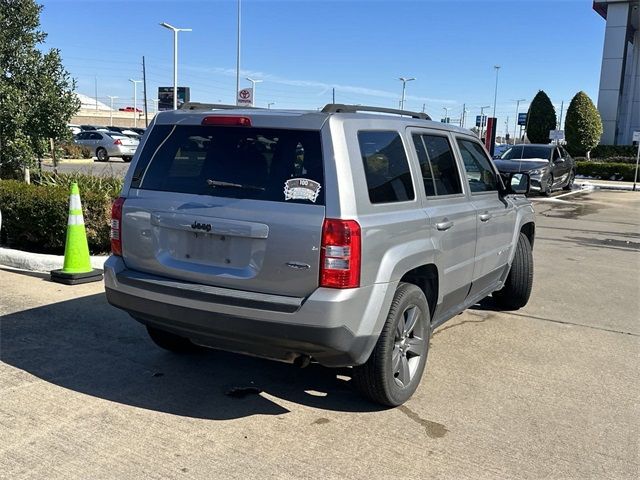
x,y
121,130
129,109
139,131
550,167
334,236
108,144
89,128
75,129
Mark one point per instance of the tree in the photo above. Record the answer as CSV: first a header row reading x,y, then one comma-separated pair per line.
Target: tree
x,y
583,126
541,118
37,97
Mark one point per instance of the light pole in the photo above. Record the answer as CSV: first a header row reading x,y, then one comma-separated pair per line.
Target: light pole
x,y
111,111
482,119
269,105
515,126
495,95
155,105
404,81
135,101
253,87
175,31
238,56
446,114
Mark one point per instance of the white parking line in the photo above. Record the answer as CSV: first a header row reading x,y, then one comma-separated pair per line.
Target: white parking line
x,y
583,189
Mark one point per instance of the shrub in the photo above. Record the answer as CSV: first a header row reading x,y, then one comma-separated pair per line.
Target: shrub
x,y
541,119
71,150
583,126
607,151
606,170
34,217
107,186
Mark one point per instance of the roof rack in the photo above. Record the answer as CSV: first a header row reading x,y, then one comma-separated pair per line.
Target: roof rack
x,y
213,106
341,108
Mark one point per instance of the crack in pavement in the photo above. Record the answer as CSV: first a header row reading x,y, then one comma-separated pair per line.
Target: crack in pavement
x,y
533,317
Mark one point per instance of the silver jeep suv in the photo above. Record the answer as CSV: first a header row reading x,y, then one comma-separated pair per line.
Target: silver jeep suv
x,y
334,236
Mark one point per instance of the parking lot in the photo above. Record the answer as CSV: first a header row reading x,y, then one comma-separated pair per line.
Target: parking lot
x,y
550,391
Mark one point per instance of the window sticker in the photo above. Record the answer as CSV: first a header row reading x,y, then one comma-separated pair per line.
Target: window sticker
x,y
301,189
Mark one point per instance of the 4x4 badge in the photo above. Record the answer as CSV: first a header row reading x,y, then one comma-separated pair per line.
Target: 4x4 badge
x,y
301,189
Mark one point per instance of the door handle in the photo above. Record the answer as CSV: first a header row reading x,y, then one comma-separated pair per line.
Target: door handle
x,y
485,217
446,225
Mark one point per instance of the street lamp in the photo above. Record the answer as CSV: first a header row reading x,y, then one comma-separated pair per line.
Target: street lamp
x,y
111,111
253,87
404,81
482,119
269,105
175,59
446,114
515,127
495,96
135,101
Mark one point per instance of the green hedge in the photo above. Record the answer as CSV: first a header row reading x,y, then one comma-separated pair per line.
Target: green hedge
x,y
607,151
606,170
34,217
71,150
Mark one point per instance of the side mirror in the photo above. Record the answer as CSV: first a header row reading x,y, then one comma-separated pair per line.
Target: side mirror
x,y
518,183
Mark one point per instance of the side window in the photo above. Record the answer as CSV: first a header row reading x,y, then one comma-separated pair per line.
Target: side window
x,y
478,167
439,170
556,154
386,166
96,136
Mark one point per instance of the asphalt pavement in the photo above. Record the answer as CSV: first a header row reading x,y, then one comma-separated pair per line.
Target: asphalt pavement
x,y
550,391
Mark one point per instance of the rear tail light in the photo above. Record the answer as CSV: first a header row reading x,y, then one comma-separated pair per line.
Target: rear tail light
x,y
116,226
340,254
227,120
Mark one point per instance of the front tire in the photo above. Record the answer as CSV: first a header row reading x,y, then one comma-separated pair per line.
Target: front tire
x,y
572,177
548,186
517,288
394,369
170,341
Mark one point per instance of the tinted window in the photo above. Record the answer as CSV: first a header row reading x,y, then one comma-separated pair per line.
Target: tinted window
x,y
236,162
480,174
95,136
556,154
386,166
82,136
527,151
438,165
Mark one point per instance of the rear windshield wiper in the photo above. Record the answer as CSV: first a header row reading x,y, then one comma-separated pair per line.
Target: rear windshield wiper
x,y
219,183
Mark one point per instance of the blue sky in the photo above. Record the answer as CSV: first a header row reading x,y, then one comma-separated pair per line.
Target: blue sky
x,y
302,49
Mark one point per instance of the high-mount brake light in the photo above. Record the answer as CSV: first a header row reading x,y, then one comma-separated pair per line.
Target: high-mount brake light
x,y
227,120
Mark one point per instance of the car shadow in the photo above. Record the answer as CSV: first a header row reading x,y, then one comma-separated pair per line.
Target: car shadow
x,y
87,346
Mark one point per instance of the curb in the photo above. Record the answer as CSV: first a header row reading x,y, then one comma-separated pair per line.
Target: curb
x,y
604,186
40,262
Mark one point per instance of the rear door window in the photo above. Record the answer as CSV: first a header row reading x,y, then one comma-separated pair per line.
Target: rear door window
x,y
386,166
236,162
438,165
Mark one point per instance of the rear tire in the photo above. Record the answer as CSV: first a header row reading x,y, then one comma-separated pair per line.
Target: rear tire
x,y
394,369
126,159
170,341
517,288
102,155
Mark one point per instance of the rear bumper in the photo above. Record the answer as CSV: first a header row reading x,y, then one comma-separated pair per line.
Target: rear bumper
x,y
335,327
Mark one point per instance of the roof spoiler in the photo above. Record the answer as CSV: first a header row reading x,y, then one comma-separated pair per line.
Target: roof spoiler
x,y
342,108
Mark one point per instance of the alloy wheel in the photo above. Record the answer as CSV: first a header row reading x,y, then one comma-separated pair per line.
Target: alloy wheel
x,y
410,344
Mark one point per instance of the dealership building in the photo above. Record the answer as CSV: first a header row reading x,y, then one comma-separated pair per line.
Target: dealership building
x,y
619,94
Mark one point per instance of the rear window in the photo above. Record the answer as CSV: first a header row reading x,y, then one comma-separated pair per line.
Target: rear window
x,y
386,166
235,162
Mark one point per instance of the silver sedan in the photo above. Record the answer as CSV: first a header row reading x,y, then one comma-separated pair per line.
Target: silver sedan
x,y
108,144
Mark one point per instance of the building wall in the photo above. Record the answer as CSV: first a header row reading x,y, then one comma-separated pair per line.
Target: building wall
x,y
102,118
619,94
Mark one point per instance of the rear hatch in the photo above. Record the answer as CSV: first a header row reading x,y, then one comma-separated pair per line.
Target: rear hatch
x,y
228,205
